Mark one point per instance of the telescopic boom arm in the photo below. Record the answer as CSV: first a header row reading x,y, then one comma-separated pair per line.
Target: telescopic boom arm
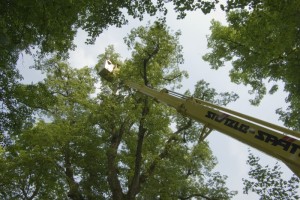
x,y
276,141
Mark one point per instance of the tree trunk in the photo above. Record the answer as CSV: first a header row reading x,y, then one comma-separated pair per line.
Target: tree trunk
x,y
112,173
73,193
134,187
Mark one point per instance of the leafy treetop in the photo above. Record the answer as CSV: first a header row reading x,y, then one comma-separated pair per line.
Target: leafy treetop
x,y
262,41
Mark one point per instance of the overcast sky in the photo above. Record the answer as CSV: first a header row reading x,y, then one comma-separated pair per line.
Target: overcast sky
x,y
231,154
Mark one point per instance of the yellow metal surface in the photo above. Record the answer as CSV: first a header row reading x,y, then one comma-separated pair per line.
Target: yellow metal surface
x,y
271,139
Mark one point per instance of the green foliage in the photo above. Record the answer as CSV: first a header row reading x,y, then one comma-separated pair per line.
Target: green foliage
x,y
262,41
47,27
268,182
205,93
156,48
116,143
171,164
19,102
9,108
52,25
43,161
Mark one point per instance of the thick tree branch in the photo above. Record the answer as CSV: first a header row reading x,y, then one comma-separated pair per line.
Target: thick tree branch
x,y
238,44
112,176
134,187
144,176
35,192
73,193
196,195
146,61
135,183
28,188
173,78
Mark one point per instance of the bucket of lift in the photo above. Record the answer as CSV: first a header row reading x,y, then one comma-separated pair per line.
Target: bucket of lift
x,y
108,70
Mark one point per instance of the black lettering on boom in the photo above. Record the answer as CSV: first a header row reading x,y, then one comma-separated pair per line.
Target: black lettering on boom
x,y
229,122
271,138
260,135
294,148
285,144
244,128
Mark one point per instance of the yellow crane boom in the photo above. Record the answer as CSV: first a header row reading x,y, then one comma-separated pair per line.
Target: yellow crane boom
x,y
276,141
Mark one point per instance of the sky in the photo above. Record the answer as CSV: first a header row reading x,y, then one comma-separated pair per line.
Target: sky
x,y
231,154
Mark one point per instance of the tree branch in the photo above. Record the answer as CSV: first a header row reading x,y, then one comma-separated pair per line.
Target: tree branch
x,y
134,187
240,45
73,186
164,153
145,63
196,195
111,154
173,78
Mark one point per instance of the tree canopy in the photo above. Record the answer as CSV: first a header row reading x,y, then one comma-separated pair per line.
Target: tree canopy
x,y
268,182
51,26
63,138
114,143
262,42
47,27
